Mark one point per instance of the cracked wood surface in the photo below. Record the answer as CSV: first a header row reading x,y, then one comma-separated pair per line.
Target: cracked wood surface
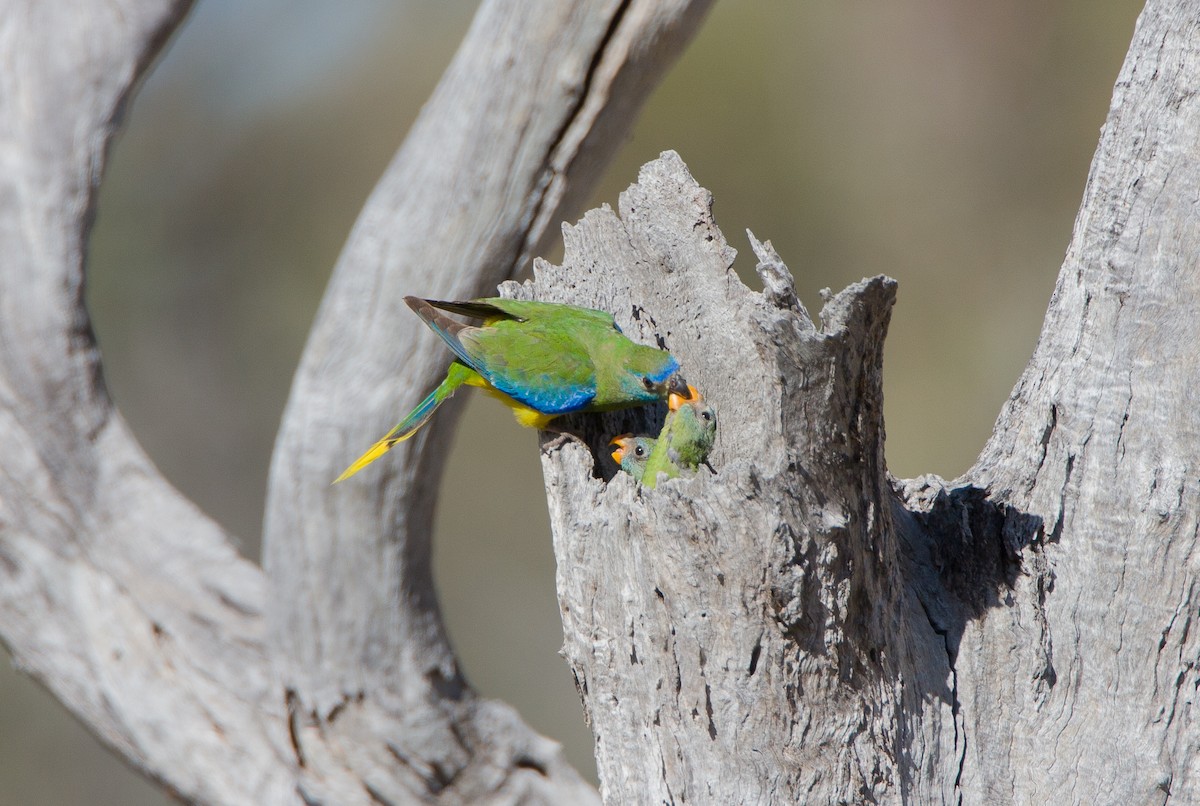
x,y
799,625
329,678
735,635
796,626
1094,663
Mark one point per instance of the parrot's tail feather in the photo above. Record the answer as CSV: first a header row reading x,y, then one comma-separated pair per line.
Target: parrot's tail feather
x,y
378,449
447,328
477,309
455,377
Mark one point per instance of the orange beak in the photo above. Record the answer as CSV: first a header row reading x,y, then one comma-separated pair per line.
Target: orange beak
x,y
676,400
622,443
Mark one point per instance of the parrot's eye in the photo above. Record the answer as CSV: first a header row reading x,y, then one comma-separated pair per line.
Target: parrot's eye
x,y
707,415
649,384
639,451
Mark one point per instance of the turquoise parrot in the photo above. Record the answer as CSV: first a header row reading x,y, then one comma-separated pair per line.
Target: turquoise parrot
x,y
541,359
686,439
631,453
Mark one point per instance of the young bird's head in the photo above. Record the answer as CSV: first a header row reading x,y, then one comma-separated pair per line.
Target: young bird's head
x,y
631,453
622,446
692,432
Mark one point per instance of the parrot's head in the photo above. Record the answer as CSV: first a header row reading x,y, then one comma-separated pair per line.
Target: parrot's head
x,y
695,430
651,375
631,453
622,446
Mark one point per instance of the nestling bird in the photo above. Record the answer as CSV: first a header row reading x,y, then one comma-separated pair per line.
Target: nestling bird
x,y
541,359
632,452
684,443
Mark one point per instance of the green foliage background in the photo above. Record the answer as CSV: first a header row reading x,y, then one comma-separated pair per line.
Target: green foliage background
x,y
943,143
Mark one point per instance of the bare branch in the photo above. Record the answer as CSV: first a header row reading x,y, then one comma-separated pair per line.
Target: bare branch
x,y
121,598
132,606
533,105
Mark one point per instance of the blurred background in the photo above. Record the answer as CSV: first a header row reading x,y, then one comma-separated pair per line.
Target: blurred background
x,y
945,144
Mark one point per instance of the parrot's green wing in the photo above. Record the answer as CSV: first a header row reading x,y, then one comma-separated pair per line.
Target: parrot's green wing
x,y
540,363
547,370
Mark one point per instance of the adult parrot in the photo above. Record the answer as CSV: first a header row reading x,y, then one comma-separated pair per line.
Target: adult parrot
x,y
541,359
685,441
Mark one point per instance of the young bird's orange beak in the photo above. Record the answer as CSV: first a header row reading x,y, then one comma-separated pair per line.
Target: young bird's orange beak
x,y
622,443
676,400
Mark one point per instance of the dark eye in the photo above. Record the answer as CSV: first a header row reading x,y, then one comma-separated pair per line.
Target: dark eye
x,y
707,415
639,451
649,384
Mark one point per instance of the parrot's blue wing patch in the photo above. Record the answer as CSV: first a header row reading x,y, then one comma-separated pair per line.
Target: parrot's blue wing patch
x,y
545,392
544,370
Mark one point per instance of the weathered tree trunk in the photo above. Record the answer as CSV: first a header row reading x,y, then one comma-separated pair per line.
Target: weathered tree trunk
x,y
1082,679
801,627
331,680
734,635
515,134
796,627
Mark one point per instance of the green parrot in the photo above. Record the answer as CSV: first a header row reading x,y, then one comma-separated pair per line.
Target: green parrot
x,y
685,441
541,359
632,452
687,437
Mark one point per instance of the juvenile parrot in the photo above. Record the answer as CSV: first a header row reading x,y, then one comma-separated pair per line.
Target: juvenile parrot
x,y
631,453
541,359
687,437
685,441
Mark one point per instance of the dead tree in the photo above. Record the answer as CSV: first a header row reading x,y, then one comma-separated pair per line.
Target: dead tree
x,y
328,678
798,626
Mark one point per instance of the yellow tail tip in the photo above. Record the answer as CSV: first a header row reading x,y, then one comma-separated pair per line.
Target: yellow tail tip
x,y
374,452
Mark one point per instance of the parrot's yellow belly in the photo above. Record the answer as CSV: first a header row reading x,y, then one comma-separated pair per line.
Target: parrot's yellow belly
x,y
526,416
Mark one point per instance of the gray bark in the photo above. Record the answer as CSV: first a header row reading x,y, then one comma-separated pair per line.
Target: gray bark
x,y
727,631
800,626
115,592
797,626
328,678
1092,663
